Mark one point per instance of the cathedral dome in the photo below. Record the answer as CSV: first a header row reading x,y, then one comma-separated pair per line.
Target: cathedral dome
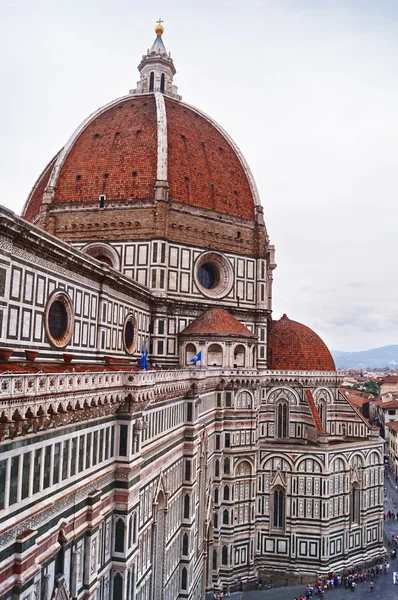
x,y
295,347
123,150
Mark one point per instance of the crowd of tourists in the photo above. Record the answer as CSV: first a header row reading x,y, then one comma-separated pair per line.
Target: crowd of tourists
x,y
348,580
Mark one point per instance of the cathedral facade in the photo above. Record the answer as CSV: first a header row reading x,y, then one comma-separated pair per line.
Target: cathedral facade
x,y
160,434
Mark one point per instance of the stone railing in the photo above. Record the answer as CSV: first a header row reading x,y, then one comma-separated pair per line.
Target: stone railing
x,y
13,385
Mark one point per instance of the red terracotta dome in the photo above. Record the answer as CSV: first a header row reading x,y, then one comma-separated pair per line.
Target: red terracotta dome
x,y
217,321
125,147
295,347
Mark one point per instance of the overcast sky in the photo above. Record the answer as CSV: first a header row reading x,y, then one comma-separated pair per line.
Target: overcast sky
x,y
308,90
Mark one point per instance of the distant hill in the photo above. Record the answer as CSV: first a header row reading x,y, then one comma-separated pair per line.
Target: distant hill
x,y
376,358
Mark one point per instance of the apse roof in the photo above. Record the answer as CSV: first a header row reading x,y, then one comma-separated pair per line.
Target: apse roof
x,y
217,321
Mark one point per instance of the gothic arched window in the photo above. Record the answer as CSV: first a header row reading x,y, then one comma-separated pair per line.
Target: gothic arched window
x,y
226,492
322,413
185,544
216,496
279,509
130,532
119,536
151,81
217,469
224,555
214,559
135,528
225,517
162,82
355,503
184,579
117,587
186,506
227,463
215,520
282,420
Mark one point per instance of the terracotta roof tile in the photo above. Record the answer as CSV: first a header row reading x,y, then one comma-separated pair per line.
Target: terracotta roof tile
x,y
314,412
392,425
295,347
217,321
116,154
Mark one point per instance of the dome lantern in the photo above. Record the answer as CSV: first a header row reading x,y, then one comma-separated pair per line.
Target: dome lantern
x,y
157,68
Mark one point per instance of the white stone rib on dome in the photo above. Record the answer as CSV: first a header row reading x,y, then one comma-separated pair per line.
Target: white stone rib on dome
x,y
162,141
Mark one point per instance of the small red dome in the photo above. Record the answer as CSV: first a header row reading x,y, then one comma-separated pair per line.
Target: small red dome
x,y
295,347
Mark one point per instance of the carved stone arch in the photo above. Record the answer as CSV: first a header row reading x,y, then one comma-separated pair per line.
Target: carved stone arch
x,y
282,392
357,460
374,462
277,461
302,460
244,399
104,253
339,457
246,464
323,393
16,416
28,415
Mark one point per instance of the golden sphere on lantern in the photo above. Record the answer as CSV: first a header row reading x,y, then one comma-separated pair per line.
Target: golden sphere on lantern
x,y
159,27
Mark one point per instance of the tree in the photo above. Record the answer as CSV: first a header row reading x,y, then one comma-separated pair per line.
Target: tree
x,y
371,387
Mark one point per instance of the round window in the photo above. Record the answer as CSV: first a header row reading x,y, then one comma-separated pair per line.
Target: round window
x,y
214,276
208,276
129,334
59,319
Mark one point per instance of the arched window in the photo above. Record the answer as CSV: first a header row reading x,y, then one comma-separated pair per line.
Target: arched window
x,y
217,468
216,496
279,508
225,517
322,413
244,400
239,356
186,506
117,587
119,536
214,559
190,352
226,492
184,579
355,503
214,356
135,528
151,81
224,555
185,544
130,531
215,520
227,464
282,420
162,82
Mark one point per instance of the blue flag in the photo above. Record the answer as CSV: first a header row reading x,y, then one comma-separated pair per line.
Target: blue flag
x,y
144,359
197,357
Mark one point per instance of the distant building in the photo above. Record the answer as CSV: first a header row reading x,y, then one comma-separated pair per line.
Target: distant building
x,y
392,444
365,403
388,384
387,408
